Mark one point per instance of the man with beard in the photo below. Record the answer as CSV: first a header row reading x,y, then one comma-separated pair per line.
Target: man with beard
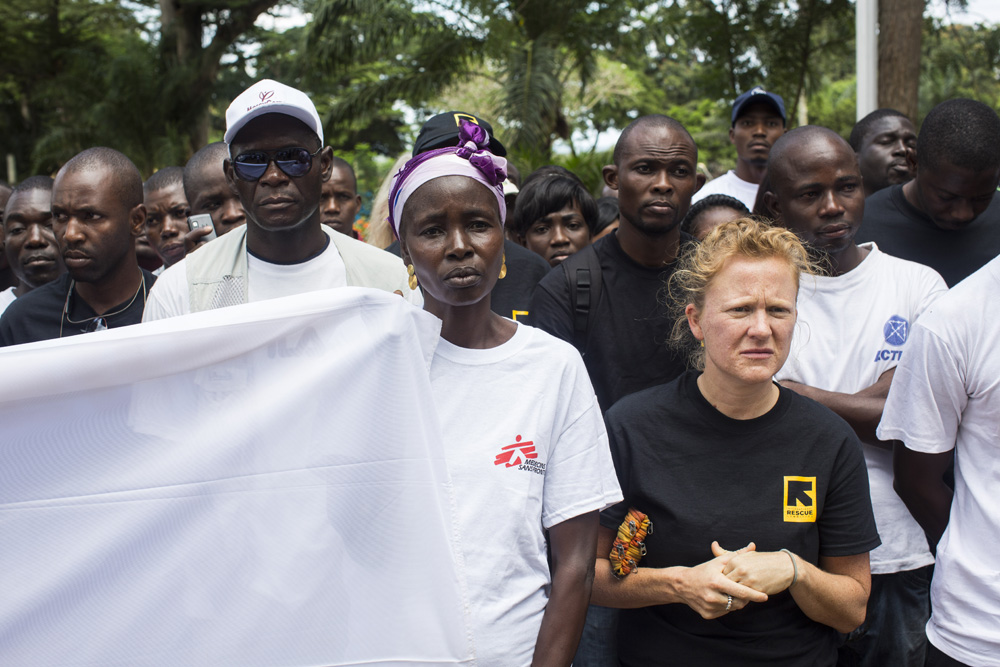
x,y
758,120
31,247
97,213
654,174
853,325
947,217
604,299
884,140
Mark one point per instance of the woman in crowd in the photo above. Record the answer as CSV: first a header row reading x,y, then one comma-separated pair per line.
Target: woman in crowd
x,y
708,213
523,433
554,216
724,456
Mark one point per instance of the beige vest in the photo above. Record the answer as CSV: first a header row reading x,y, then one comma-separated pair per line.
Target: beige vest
x,y
217,272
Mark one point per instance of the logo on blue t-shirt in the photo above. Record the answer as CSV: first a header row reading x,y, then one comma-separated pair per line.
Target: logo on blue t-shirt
x,y
896,330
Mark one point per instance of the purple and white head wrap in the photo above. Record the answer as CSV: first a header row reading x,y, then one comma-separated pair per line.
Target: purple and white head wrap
x,y
470,158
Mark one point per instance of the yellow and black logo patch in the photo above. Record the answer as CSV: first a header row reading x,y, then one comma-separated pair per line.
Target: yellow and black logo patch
x,y
459,117
800,499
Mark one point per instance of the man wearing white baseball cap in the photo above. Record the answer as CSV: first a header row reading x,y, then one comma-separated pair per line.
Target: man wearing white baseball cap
x,y
277,165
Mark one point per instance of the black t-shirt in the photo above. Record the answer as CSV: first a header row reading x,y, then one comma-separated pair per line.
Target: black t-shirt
x,y
794,478
629,327
901,229
38,314
512,295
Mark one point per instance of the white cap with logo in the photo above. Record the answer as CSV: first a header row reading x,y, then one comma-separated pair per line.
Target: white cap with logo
x,y
267,96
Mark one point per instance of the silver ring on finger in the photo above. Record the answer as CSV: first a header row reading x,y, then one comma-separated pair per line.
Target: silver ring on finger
x,y
729,602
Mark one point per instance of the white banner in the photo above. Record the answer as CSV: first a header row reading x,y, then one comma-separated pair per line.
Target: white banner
x,y
254,486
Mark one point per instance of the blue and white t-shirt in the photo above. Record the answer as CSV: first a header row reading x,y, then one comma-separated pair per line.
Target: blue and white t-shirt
x,y
850,330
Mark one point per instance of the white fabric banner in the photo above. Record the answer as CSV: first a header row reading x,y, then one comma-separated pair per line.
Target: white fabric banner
x,y
260,485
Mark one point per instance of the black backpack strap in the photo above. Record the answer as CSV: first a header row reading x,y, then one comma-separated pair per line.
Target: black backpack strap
x,y
583,276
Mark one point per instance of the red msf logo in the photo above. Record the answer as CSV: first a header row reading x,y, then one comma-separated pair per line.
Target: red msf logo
x,y
511,454
265,95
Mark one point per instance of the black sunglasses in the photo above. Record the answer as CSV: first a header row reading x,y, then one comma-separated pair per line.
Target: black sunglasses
x,y
293,161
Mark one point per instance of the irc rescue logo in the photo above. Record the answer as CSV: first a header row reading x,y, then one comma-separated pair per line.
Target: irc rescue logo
x,y
800,499
520,454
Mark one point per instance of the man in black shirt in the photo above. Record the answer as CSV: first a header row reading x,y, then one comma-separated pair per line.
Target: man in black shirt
x,y
97,214
627,327
622,334
947,217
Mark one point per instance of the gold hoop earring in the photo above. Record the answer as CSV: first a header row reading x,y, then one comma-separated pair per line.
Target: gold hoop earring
x,y
503,267
412,281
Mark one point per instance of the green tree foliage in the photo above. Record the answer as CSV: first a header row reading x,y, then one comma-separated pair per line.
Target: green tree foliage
x,y
415,51
959,61
74,74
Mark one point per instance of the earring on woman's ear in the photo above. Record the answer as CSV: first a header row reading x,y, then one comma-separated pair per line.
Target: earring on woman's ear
x,y
503,267
410,271
702,343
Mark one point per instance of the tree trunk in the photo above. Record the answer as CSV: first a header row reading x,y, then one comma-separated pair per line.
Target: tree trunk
x,y
900,27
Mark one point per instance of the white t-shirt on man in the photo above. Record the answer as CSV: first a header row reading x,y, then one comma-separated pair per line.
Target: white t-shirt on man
x,y
729,184
946,395
526,449
850,330
170,295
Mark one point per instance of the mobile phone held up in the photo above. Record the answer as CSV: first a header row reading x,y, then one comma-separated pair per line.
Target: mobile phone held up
x,y
202,220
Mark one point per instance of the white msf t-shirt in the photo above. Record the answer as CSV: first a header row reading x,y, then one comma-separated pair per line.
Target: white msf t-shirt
x,y
526,449
850,330
946,395
729,184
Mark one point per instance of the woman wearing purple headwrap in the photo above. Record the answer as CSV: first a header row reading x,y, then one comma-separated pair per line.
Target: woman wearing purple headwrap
x,y
524,438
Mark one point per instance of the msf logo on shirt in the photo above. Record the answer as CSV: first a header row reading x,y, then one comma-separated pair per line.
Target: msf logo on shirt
x,y
520,454
800,499
895,332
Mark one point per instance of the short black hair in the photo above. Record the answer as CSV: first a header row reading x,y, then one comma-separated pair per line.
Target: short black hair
x,y
28,184
863,127
709,202
213,153
341,163
550,170
775,163
35,183
607,213
164,178
961,132
542,196
652,120
126,181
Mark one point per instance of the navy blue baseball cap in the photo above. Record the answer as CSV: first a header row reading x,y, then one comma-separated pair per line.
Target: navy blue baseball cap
x,y
758,94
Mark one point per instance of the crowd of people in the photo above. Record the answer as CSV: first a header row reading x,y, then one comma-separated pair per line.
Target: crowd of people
x,y
788,369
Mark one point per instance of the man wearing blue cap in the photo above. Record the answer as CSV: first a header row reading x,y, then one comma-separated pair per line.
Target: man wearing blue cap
x,y
758,120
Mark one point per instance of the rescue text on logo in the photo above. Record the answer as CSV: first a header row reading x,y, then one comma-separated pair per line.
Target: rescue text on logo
x,y
800,499
510,455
